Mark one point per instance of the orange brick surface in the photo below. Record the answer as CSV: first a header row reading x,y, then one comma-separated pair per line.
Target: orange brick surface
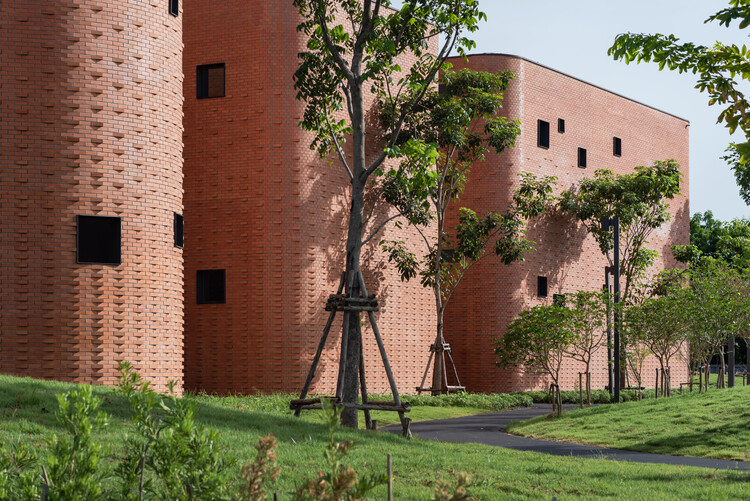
x,y
90,124
492,295
261,205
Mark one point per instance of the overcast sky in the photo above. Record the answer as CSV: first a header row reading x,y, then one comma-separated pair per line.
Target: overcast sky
x,y
573,36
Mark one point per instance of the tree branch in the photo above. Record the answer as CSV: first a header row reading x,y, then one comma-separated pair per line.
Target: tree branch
x,y
380,227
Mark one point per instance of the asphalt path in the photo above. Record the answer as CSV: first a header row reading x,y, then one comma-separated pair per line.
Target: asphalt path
x,y
489,429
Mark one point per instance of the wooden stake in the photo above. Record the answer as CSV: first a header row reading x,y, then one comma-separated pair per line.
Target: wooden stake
x,y
390,478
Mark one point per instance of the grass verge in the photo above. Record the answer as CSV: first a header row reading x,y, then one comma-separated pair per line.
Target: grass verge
x,y
712,424
27,414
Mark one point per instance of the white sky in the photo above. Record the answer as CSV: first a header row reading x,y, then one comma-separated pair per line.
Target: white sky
x,y
573,36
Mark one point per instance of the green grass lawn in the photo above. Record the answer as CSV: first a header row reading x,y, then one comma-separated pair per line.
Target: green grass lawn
x,y
715,424
27,413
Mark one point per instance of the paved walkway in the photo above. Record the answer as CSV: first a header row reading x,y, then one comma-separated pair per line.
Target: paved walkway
x,y
489,429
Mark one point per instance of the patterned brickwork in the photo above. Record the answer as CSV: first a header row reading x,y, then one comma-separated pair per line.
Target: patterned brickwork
x,y
261,205
90,123
492,295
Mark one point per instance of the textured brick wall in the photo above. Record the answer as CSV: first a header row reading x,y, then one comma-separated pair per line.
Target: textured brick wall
x,y
492,295
90,124
261,205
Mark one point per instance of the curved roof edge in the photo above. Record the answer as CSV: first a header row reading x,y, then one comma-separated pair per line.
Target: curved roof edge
x,y
575,78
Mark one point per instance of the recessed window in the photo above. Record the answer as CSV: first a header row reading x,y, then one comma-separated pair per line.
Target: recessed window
x,y
442,89
98,240
582,158
617,146
174,7
178,231
558,300
541,286
210,80
560,125
542,134
211,285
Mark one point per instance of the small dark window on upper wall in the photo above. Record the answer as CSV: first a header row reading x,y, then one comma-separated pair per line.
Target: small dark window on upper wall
x,y
174,7
442,89
542,134
617,146
541,286
582,158
211,286
98,240
560,125
178,230
210,80
558,300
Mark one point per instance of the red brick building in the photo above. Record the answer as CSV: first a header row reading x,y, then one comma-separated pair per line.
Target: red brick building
x,y
568,260
90,182
91,126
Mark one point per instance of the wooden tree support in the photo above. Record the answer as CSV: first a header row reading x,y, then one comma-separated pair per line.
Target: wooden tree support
x,y
344,302
438,351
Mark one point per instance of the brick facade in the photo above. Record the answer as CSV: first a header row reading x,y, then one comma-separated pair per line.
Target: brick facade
x,y
91,108
492,295
91,113
262,206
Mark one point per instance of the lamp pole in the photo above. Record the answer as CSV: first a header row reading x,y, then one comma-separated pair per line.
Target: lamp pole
x,y
607,223
608,292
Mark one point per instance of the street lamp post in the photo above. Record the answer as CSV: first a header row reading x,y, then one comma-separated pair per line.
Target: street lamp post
x,y
608,294
607,223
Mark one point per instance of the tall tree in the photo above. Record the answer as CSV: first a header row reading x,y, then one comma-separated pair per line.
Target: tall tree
x,y
720,68
710,238
639,200
458,124
354,47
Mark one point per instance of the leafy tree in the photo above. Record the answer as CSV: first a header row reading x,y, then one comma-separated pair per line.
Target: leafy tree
x,y
725,241
353,48
588,319
458,125
638,199
658,324
538,340
720,70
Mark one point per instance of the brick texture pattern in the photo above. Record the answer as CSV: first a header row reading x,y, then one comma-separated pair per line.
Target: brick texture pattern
x,y
91,108
261,205
492,295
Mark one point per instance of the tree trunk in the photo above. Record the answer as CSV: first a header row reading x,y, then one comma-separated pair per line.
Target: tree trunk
x,y
353,252
438,367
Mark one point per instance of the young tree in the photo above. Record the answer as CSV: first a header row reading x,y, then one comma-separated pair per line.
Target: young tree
x,y
353,48
721,69
658,323
588,319
638,200
458,125
538,340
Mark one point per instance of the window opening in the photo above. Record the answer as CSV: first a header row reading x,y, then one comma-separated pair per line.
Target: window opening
x,y
98,240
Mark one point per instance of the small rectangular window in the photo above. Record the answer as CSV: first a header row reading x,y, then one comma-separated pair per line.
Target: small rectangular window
x,y
211,286
560,125
174,7
542,134
178,231
98,240
442,89
541,286
582,158
558,300
210,80
617,146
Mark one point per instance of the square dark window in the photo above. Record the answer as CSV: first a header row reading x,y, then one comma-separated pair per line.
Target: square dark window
x,y
98,240
582,158
541,286
178,230
174,7
560,125
210,80
542,134
211,285
558,300
442,89
617,146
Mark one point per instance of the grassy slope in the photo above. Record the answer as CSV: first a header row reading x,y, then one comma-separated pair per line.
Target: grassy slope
x,y
713,424
27,413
